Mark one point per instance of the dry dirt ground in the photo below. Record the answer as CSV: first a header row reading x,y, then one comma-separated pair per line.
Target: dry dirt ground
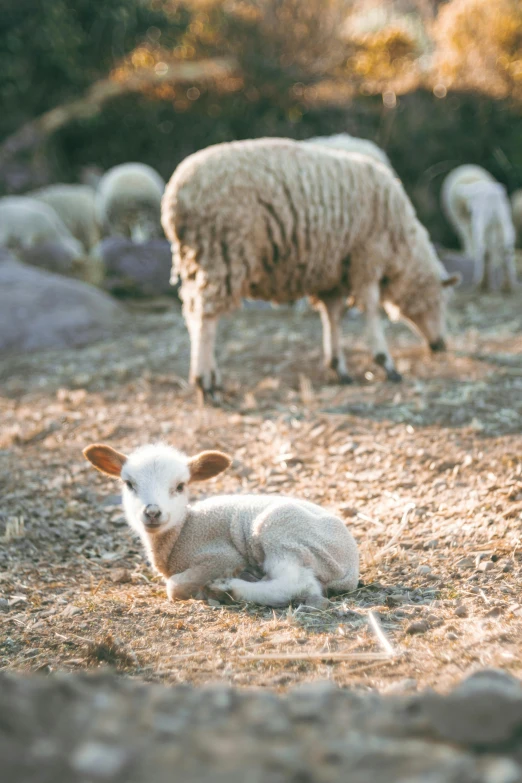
x,y
443,583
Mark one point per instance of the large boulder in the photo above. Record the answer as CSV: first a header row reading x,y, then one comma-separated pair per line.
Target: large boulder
x,y
40,310
136,269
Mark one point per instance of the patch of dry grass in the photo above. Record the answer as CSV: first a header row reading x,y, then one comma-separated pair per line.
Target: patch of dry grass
x,y
442,583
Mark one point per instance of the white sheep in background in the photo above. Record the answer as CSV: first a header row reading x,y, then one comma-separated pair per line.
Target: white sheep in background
x,y
343,141
516,211
478,208
128,202
275,219
76,206
301,549
26,222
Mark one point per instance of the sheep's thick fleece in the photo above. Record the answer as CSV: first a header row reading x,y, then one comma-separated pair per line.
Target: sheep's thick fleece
x,y
229,533
276,219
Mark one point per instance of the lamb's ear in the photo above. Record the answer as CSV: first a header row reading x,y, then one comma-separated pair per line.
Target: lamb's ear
x,y
105,458
208,464
451,280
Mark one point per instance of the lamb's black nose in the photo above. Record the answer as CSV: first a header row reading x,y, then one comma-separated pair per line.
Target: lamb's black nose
x,y
152,513
438,346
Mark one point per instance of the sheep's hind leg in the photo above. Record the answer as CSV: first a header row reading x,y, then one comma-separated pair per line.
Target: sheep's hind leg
x,y
287,582
370,300
203,369
331,309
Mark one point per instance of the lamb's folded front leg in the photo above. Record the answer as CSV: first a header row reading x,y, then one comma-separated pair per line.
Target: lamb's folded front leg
x,y
188,584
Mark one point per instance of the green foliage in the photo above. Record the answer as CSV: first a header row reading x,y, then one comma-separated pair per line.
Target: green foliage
x,y
52,50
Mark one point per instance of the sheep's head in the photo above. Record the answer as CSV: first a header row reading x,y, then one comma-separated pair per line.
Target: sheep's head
x,y
425,309
155,481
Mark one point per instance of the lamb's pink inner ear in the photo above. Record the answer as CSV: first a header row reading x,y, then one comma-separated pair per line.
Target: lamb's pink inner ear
x,y
105,458
208,464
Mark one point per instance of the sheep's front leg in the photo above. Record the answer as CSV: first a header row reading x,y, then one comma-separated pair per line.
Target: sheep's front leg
x,y
203,369
331,310
370,301
187,584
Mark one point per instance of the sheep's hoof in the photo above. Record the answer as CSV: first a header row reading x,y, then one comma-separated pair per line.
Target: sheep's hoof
x,y
207,396
338,376
393,376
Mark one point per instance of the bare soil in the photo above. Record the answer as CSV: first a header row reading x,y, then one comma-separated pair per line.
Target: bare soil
x,y
444,582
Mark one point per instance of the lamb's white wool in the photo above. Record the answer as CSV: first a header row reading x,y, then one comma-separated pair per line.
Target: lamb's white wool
x,y
25,222
478,208
277,220
516,210
300,548
75,205
343,141
128,202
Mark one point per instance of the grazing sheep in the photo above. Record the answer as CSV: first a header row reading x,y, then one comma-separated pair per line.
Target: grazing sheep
x,y
478,208
76,206
343,141
128,202
516,210
300,548
26,222
275,219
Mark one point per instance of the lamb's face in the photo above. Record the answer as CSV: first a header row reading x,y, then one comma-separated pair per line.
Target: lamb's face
x,y
155,481
155,496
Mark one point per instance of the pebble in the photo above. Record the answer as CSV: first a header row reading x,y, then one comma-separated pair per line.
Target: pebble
x,y
461,611
465,562
419,626
4,605
120,576
451,636
423,570
485,565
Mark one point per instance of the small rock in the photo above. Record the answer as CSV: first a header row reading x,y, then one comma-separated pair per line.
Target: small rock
x,y
433,544
423,570
213,602
4,605
451,636
120,576
496,611
465,562
507,567
485,565
70,611
419,626
461,611
396,599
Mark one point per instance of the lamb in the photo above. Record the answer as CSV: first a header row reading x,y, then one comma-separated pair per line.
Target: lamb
x,y
276,219
343,141
128,202
516,211
478,208
25,222
76,206
301,549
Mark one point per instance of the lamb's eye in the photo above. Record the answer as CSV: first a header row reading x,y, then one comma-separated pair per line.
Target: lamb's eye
x,y
180,487
130,486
